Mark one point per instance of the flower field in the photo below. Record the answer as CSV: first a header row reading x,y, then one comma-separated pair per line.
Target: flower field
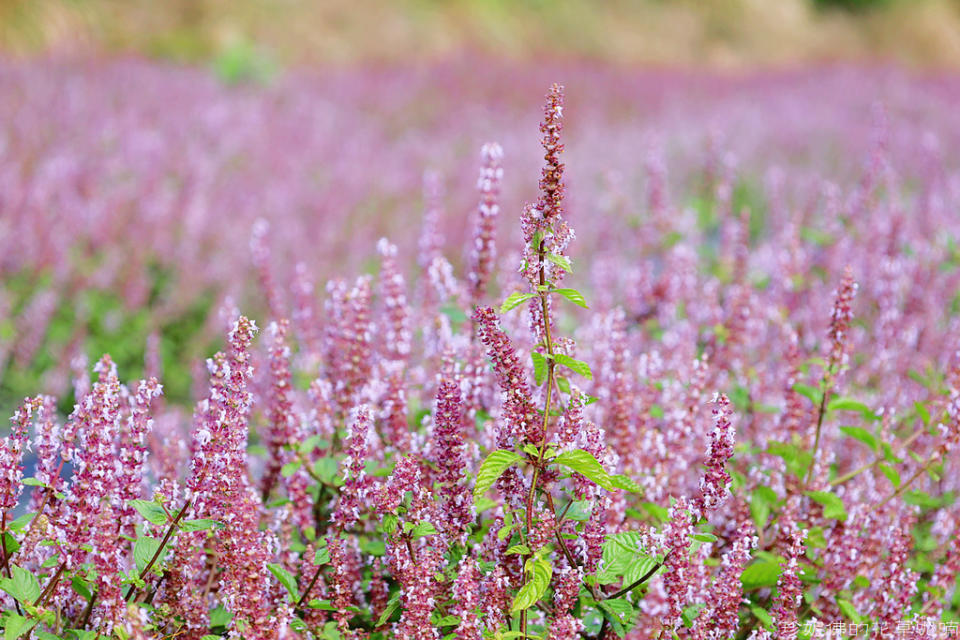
x,y
425,354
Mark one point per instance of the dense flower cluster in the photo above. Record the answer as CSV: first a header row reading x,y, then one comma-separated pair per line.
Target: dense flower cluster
x,y
400,457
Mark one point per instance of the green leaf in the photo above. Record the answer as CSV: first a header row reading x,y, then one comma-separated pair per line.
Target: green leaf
x,y
815,538
892,474
447,621
150,510
21,523
286,579
82,587
22,585
492,468
626,483
849,404
514,300
220,617
656,511
847,608
423,529
390,523
290,468
640,566
691,613
580,511
861,434
539,572
199,525
761,573
392,605
144,550
15,626
561,261
832,504
573,364
704,537
573,296
586,465
539,367
520,549
326,469
761,614
813,394
308,445
619,608
760,503
923,413
33,482
322,556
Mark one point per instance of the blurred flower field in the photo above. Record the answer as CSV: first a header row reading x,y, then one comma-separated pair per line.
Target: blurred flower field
x,y
682,364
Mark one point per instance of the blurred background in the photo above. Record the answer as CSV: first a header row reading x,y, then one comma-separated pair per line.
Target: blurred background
x,y
142,142
717,34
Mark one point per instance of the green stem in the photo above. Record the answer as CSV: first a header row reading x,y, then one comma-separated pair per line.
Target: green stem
x,y
545,312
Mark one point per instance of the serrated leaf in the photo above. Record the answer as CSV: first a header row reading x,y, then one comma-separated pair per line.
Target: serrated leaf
x,y
832,504
143,551
520,549
15,626
762,573
286,579
539,572
626,483
561,261
861,434
640,566
514,300
619,608
573,296
390,523
586,465
22,585
579,366
423,529
492,468
150,510
539,367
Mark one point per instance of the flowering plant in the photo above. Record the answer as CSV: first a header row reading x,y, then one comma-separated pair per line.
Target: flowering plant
x,y
707,460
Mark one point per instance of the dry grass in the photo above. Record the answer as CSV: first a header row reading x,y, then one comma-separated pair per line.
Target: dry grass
x,y
724,34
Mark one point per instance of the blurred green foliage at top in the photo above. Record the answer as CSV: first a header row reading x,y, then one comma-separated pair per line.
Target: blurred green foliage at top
x,y
248,39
